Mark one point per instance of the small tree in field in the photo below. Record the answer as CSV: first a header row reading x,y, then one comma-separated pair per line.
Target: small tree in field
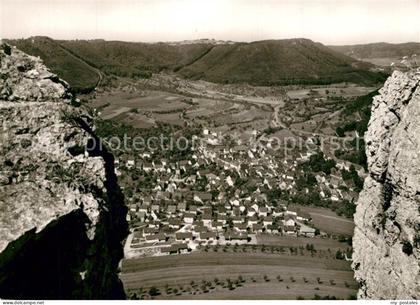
x,y
153,291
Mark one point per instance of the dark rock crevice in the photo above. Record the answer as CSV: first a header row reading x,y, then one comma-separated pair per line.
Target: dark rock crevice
x,y
46,265
111,231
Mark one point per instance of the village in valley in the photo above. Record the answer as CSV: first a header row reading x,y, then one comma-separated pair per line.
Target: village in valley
x,y
222,182
226,191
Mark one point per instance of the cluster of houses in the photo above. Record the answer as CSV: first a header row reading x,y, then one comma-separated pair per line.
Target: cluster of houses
x,y
181,228
219,194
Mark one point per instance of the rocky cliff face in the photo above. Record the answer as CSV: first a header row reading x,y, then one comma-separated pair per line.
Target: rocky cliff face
x,y
62,214
387,234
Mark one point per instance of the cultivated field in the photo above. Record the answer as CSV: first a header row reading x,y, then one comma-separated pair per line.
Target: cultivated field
x,y
117,102
238,276
328,221
320,244
329,91
144,109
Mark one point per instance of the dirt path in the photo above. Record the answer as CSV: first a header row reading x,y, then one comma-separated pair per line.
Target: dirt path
x,y
276,122
78,58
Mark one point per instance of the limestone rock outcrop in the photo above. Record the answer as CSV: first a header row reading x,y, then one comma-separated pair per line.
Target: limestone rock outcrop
x,y
386,240
62,213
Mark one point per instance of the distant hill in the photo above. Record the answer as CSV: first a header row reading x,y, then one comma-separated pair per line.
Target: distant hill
x,y
271,62
131,59
384,54
279,62
80,75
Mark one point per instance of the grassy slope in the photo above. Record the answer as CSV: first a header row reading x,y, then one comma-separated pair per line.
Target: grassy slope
x,y
78,74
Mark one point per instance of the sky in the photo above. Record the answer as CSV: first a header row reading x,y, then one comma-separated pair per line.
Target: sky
x,y
332,22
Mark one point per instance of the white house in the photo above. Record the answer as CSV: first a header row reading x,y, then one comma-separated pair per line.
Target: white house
x,y
130,164
188,218
289,220
263,211
306,231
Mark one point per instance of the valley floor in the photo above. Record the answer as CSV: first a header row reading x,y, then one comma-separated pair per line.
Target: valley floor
x,y
193,203
242,275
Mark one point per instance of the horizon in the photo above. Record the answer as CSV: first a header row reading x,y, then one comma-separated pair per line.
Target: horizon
x,y
325,21
210,39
